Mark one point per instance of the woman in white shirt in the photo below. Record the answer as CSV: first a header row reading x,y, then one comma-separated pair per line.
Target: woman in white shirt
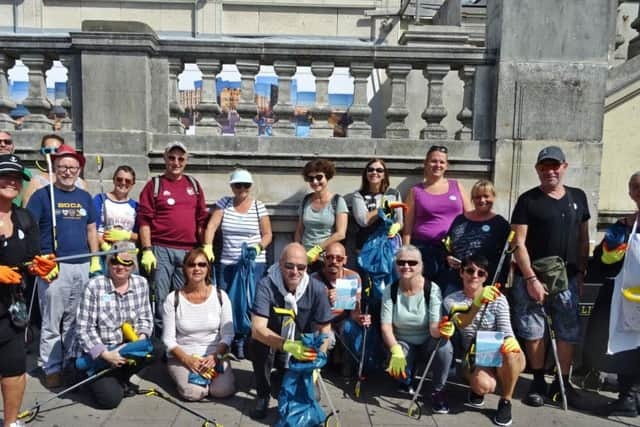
x,y
198,329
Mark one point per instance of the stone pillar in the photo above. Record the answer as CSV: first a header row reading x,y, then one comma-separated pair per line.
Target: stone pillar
x,y
6,103
66,124
465,116
398,111
435,110
283,110
208,105
247,109
175,108
360,109
320,128
37,102
634,44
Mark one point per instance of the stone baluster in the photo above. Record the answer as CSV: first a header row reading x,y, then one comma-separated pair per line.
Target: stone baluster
x,y
435,110
208,106
320,127
398,111
465,116
176,110
247,108
283,109
6,103
37,102
634,44
66,124
360,110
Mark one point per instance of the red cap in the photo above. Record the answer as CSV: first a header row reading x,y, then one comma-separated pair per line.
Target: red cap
x,y
65,150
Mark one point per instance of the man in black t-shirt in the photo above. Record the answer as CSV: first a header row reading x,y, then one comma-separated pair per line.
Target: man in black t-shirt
x,y
288,286
549,220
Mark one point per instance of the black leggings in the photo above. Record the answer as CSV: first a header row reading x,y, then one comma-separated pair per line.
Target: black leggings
x,y
14,357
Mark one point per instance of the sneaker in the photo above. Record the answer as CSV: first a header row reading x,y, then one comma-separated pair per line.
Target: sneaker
x,y
53,380
130,389
439,402
624,406
475,400
17,423
503,415
536,393
260,409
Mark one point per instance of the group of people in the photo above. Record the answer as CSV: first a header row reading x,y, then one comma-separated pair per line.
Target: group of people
x,y
191,300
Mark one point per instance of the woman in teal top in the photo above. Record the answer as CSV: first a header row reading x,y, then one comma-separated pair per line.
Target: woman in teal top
x,y
411,326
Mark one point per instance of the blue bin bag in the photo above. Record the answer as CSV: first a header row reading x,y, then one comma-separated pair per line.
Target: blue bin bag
x,y
133,350
297,405
375,356
243,290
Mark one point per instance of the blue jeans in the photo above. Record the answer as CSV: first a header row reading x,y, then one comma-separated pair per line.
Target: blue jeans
x,y
168,277
435,267
441,361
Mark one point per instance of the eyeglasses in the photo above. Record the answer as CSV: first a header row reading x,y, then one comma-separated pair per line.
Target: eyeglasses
x,y
6,141
311,178
475,271
372,170
72,169
409,262
291,266
440,148
178,159
201,264
126,181
241,185
336,258
116,260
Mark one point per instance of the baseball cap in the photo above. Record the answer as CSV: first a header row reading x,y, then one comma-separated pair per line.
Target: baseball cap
x,y
551,153
175,144
65,150
240,175
10,163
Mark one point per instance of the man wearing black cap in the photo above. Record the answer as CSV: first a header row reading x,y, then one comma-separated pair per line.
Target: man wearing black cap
x,y
551,226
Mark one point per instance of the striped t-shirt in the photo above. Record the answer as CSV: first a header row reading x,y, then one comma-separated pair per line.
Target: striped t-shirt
x,y
238,228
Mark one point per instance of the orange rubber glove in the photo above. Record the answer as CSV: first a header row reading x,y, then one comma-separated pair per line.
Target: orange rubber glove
x,y
42,265
9,276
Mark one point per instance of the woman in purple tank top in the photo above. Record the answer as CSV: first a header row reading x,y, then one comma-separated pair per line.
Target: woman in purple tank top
x,y
433,205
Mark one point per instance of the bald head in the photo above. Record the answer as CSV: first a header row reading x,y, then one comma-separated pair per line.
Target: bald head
x,y
292,249
293,265
336,248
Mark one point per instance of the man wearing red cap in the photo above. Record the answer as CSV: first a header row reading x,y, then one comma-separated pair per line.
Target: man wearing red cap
x,y
74,233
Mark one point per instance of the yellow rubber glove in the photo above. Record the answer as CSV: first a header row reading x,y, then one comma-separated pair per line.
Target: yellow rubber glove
x,y
116,235
53,274
510,345
9,276
393,230
314,253
95,268
258,249
208,251
105,246
488,294
397,363
148,260
446,328
299,351
128,332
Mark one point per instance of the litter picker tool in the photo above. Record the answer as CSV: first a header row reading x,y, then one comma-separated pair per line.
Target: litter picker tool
x,y
207,421
103,196
367,292
54,224
415,410
92,254
554,348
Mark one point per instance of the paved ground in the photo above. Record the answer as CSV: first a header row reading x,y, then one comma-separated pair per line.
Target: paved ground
x,y
379,405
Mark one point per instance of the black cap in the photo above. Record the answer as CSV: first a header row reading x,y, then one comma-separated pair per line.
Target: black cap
x,y
10,163
551,153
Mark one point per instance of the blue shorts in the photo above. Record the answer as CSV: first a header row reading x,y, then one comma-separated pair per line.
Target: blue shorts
x,y
528,320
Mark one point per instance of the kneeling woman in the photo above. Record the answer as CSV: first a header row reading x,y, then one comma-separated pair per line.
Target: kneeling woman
x,y
198,329
411,326
471,300
109,302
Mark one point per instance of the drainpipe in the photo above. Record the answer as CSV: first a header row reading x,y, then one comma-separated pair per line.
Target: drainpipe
x,y
195,18
15,16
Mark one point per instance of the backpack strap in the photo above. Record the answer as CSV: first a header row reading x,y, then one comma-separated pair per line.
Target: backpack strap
x,y
176,299
426,289
156,185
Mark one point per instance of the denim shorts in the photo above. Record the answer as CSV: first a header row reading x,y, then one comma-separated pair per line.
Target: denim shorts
x,y
528,319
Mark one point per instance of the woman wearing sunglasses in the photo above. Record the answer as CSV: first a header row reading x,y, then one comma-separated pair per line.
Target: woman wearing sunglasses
x,y
198,330
479,308
116,210
241,219
323,215
374,190
432,207
478,231
411,326
48,144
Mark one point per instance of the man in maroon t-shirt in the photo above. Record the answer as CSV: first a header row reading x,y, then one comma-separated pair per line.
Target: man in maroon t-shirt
x,y
171,214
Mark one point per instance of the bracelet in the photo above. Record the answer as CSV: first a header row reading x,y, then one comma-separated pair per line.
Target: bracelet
x,y
146,248
530,278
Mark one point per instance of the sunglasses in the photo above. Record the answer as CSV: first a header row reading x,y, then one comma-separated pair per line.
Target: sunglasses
x,y
440,148
126,181
471,271
241,185
48,150
291,266
311,178
6,141
116,260
178,159
409,262
336,258
201,264
372,170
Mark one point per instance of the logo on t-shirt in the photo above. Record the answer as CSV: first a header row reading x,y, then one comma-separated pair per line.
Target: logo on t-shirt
x,y
190,191
486,228
166,193
453,197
